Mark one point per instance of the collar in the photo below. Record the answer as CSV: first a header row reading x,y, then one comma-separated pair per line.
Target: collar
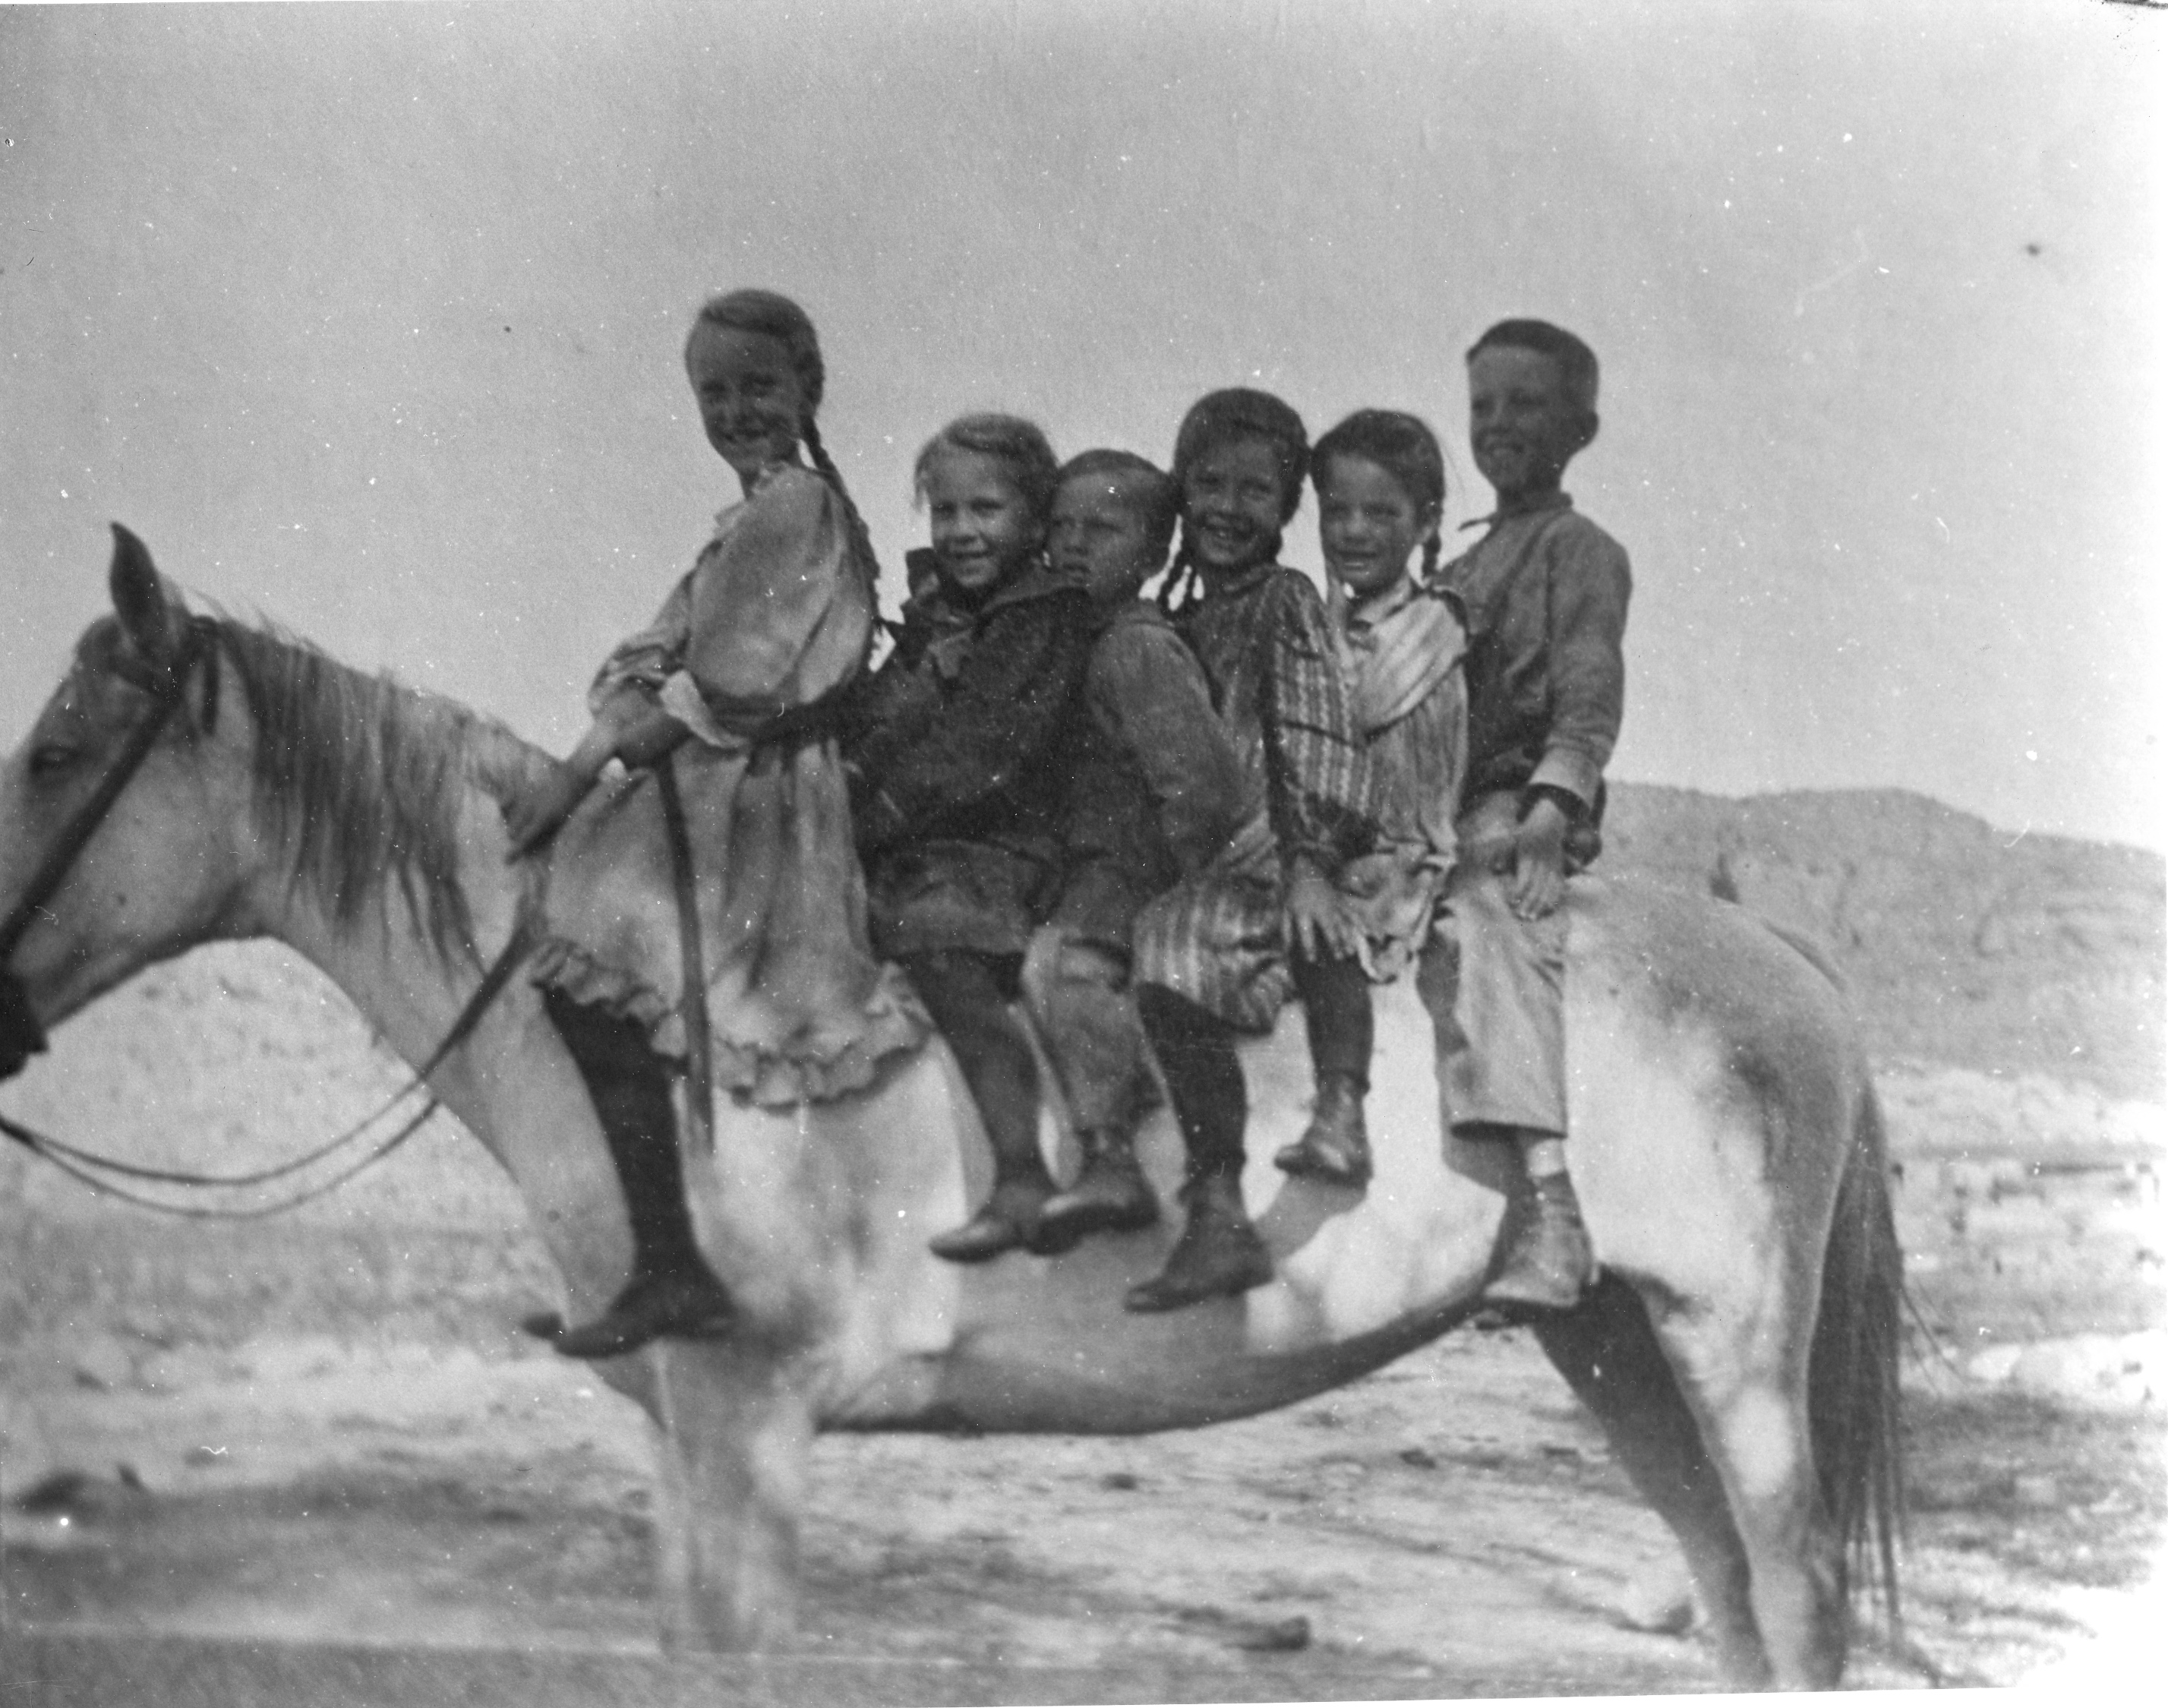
x,y
1038,581
1241,582
1556,501
1397,597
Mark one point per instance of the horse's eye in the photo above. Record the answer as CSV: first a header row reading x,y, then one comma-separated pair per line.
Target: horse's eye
x,y
48,758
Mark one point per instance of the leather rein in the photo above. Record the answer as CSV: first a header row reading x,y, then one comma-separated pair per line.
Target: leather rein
x,y
21,1036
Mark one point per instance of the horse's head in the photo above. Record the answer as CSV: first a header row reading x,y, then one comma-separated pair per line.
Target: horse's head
x,y
121,813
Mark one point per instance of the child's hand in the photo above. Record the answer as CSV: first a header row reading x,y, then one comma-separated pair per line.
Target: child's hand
x,y
533,817
1538,881
1320,922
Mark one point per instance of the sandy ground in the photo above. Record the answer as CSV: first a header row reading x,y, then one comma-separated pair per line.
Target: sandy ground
x,y
1453,1525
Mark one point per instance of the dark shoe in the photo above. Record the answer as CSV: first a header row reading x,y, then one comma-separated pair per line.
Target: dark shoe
x,y
1551,1262
1336,1147
1111,1193
1009,1220
1218,1254
688,1304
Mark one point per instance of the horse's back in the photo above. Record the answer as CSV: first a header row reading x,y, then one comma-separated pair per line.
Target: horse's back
x,y
1694,1034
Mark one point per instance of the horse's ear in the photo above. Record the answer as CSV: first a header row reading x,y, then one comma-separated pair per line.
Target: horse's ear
x,y
150,611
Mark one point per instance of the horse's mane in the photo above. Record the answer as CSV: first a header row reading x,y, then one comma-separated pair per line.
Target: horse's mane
x,y
361,780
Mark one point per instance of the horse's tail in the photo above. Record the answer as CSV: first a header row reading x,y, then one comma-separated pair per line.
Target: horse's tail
x,y
1852,1369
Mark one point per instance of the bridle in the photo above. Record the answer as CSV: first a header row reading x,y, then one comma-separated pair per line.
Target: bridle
x,y
21,1036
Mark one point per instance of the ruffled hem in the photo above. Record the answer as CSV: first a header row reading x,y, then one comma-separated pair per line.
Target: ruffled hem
x,y
815,1069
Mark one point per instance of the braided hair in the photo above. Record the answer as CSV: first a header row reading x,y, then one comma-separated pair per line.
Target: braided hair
x,y
769,314
1238,413
1404,448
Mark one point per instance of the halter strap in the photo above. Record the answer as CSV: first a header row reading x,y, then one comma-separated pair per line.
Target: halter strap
x,y
167,694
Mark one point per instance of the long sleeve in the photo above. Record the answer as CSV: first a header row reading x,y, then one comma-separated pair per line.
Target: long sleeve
x,y
650,657
1590,585
998,719
1546,592
1147,691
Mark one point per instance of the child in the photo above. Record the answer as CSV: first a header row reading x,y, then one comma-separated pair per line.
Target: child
x,y
726,690
1545,591
954,794
1215,955
1381,480
1154,792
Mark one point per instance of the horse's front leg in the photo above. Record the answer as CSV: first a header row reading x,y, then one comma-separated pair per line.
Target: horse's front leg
x,y
735,1428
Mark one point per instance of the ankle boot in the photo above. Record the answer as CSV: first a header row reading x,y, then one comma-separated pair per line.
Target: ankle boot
x,y
1111,1193
1550,1263
1335,1148
683,1303
1010,1220
1218,1254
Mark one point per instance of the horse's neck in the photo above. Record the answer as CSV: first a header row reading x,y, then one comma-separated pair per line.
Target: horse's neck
x,y
512,1082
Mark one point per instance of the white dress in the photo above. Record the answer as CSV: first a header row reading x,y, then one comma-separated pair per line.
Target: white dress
x,y
778,612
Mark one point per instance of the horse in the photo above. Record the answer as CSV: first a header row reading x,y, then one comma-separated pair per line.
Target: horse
x,y
1740,1351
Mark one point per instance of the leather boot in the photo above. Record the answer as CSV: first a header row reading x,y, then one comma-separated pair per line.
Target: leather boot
x,y
1218,1254
685,1303
1111,1193
1009,1220
671,1291
1550,1264
1335,1148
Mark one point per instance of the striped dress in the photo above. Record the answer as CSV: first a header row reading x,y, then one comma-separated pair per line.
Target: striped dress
x,y
1220,939
1402,655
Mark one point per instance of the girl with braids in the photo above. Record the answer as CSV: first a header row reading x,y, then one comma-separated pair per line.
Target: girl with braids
x,y
729,688
1216,954
1380,481
956,787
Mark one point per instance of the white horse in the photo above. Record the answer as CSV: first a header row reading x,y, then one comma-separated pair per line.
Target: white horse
x,y
1740,1352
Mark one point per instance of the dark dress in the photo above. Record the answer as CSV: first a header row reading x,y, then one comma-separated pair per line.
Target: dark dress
x,y
952,745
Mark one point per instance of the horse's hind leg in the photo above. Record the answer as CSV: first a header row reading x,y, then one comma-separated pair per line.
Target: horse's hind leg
x,y
1607,1351
1748,1394
1758,1428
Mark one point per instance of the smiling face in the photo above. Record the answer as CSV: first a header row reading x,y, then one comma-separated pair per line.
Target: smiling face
x,y
983,528
1522,422
1232,504
1100,535
753,403
1369,525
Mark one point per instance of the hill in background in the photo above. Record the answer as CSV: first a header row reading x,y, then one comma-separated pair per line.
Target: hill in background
x,y
1965,945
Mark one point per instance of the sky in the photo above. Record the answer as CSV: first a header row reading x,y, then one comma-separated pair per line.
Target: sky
x,y
369,319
